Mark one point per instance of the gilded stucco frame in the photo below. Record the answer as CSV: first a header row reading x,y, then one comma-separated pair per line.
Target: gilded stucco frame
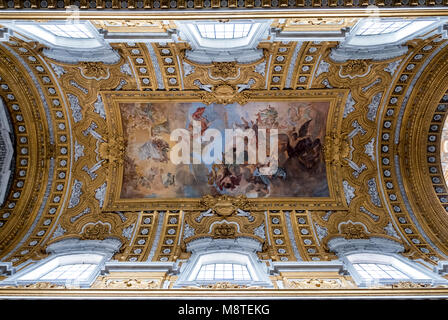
x,y
332,146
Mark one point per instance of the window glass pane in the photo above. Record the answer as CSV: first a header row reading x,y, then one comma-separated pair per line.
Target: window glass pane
x,y
69,30
70,272
393,272
379,271
381,27
223,271
224,30
87,272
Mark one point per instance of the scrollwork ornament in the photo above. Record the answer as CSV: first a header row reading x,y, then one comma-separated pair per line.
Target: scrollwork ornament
x,y
225,94
128,284
224,70
354,69
409,285
351,230
94,70
225,205
226,285
224,231
313,284
113,150
335,148
43,285
96,231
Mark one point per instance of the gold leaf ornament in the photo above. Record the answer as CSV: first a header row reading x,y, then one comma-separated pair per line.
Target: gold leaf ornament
x,y
224,70
355,68
225,205
94,70
97,231
225,94
353,231
113,151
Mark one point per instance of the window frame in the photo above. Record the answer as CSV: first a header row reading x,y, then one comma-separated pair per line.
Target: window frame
x,y
385,39
52,40
414,272
228,268
34,273
233,23
192,33
207,251
222,257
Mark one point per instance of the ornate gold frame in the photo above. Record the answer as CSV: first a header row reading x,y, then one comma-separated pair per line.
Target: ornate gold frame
x,y
332,146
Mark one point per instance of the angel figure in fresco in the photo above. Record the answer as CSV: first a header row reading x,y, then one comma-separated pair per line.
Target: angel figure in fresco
x,y
160,128
146,178
198,115
155,149
168,179
299,115
155,114
267,118
144,115
303,147
225,176
247,124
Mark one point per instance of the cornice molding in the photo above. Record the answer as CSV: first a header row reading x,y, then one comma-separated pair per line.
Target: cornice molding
x,y
374,293
302,9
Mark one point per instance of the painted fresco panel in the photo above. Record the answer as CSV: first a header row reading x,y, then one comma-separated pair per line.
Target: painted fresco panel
x,y
150,173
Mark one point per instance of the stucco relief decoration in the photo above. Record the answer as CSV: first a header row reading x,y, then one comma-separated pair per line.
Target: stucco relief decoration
x,y
409,284
224,70
225,94
113,150
94,70
39,285
353,230
354,69
336,148
225,205
225,285
314,284
96,231
224,230
104,282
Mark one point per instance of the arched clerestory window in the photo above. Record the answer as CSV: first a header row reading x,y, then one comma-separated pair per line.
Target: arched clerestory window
x,y
72,262
74,269
375,269
377,261
223,260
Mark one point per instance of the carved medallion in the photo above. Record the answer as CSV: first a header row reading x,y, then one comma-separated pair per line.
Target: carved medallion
x,y
94,70
224,231
354,68
97,231
353,230
225,94
225,205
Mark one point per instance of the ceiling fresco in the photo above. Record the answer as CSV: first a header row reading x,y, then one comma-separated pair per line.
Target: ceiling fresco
x,y
358,148
300,172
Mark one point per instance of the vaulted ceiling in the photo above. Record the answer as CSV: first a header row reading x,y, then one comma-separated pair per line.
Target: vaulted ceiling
x,y
382,149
